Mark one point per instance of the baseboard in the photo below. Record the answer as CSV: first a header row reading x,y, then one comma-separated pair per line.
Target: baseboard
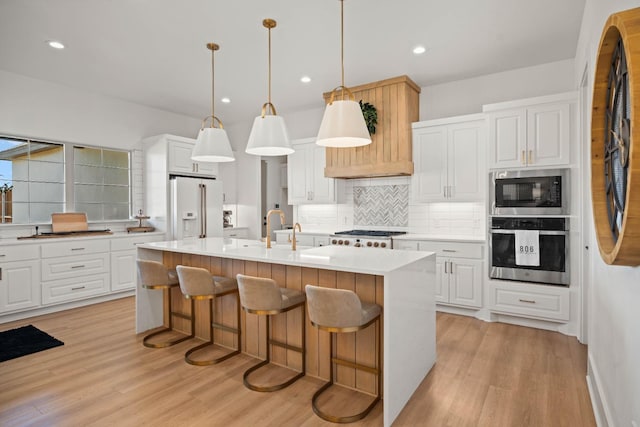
x,y
599,403
6,318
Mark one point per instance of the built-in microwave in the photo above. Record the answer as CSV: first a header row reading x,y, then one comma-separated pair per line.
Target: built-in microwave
x,y
529,192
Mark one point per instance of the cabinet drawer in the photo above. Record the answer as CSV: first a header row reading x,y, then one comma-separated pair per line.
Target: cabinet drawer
x,y
453,249
128,243
536,301
239,233
74,289
19,252
77,247
407,245
60,268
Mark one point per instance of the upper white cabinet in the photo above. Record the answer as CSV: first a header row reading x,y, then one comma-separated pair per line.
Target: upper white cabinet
x,y
449,159
534,132
179,156
306,180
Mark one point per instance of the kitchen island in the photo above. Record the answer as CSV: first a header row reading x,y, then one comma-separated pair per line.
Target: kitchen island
x,y
403,282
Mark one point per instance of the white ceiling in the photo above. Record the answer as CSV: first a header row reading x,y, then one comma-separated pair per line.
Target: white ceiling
x,y
153,52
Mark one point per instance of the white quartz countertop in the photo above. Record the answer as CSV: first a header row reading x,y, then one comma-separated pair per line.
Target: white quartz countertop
x,y
356,260
116,235
441,237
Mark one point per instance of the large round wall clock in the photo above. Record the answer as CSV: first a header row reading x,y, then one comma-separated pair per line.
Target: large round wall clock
x,y
615,136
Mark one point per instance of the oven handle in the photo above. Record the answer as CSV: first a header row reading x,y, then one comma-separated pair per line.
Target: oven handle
x,y
542,232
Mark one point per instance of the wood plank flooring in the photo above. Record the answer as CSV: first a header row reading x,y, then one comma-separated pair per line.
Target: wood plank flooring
x,y
487,374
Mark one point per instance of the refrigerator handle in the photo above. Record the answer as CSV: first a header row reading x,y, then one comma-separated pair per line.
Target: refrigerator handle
x,y
201,188
204,210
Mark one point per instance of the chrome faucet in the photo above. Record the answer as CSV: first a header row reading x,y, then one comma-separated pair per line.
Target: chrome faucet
x,y
293,239
282,221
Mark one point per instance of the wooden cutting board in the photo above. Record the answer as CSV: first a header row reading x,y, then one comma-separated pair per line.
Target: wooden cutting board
x,y
69,221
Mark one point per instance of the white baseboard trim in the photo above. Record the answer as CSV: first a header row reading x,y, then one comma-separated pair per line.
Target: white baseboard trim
x,y
599,403
12,317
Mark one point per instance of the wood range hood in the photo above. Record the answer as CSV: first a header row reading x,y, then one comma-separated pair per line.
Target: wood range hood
x,y
389,154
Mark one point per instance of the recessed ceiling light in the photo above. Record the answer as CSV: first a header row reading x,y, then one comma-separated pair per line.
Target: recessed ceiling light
x,y
305,79
55,44
225,100
419,50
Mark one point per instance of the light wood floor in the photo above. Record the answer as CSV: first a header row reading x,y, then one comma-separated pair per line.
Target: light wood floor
x,y
487,374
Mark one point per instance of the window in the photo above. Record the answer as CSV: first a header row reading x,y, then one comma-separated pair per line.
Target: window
x,y
34,182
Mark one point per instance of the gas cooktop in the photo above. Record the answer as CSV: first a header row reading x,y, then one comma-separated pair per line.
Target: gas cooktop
x,y
370,233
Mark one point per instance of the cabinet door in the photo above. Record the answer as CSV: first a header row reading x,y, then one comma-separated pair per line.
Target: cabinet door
x,y
548,135
227,174
465,282
466,165
297,175
207,168
180,157
442,281
322,188
19,285
429,180
507,139
321,241
123,270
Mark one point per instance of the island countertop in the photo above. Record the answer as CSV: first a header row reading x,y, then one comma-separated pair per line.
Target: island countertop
x,y
356,260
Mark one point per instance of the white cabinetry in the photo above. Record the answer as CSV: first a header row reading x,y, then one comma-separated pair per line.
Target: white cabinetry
x,y
123,261
236,232
449,159
74,270
534,132
179,155
306,180
303,239
529,300
19,277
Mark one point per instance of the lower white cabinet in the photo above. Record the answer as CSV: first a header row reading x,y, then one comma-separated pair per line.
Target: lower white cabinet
x,y
236,232
303,239
123,270
459,270
75,288
19,285
529,300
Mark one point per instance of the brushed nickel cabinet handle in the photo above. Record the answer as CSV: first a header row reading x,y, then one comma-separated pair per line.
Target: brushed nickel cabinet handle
x,y
78,288
444,191
522,158
530,157
450,267
2,255
77,249
449,250
0,273
77,266
528,301
445,267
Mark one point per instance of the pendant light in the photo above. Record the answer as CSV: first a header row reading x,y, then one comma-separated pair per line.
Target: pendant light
x,y
212,144
343,123
269,136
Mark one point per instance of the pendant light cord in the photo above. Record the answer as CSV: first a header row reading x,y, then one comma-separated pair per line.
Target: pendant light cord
x,y
212,87
269,65
342,42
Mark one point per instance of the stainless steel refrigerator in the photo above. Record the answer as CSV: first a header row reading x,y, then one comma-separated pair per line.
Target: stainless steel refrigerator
x,y
196,207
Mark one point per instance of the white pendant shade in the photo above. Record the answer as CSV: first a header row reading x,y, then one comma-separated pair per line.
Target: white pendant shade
x,y
343,126
269,137
212,146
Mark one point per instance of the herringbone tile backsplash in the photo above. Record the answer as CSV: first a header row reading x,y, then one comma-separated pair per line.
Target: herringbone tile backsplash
x,y
381,205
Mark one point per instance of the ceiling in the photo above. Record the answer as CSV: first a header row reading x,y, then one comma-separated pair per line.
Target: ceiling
x,y
153,52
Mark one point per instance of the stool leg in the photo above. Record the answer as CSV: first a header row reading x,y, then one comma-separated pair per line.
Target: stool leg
x,y
302,350
145,340
211,342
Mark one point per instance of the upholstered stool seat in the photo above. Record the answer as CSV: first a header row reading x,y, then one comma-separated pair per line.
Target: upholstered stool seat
x,y
198,284
341,311
264,297
155,275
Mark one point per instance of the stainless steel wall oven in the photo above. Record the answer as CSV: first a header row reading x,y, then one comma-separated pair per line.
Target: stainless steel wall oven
x,y
553,265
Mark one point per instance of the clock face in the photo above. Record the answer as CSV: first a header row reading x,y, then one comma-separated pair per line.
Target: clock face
x,y
617,139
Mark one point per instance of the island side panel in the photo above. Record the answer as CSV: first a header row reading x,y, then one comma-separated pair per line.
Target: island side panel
x,y
409,330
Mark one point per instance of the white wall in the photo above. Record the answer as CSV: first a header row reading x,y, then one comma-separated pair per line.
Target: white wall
x,y
468,96
39,109
614,294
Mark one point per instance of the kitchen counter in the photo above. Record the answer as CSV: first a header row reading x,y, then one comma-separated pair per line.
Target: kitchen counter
x,y
403,282
6,241
441,237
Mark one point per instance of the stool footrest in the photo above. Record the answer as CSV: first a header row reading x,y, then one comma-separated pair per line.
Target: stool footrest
x,y
224,327
337,419
358,366
285,345
181,315
146,343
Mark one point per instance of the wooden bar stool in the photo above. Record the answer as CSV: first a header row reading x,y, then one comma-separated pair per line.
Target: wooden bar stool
x,y
265,298
155,275
341,311
198,284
